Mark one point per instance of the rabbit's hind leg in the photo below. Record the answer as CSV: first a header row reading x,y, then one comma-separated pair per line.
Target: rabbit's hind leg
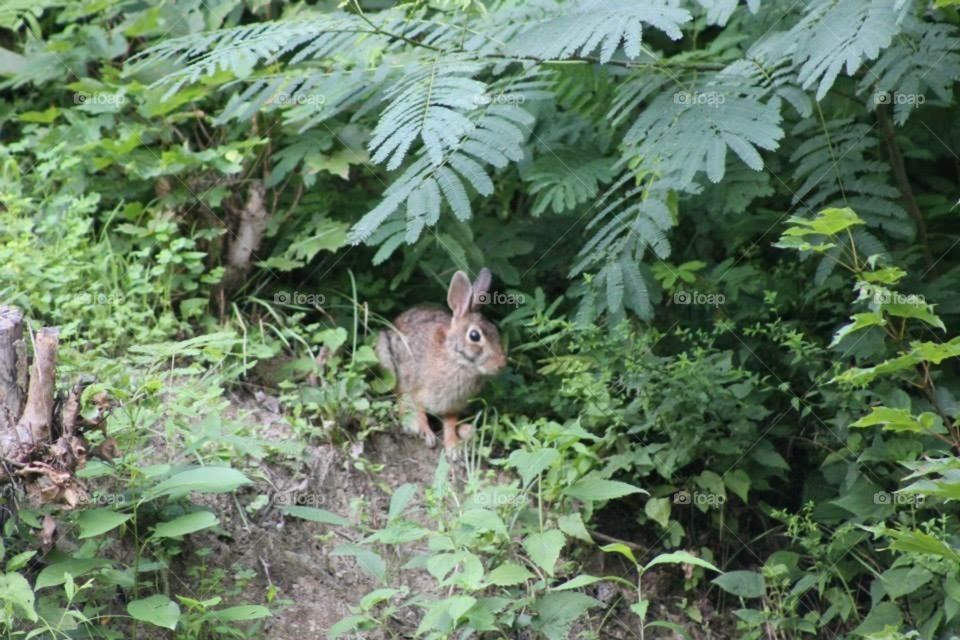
x,y
414,420
450,438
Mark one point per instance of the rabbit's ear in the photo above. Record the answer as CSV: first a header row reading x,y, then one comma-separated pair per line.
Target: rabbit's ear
x,y
458,295
480,287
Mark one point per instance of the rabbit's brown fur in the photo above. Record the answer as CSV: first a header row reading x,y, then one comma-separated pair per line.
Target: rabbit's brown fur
x,y
439,360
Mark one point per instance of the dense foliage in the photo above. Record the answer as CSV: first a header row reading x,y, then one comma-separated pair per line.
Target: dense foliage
x,y
724,238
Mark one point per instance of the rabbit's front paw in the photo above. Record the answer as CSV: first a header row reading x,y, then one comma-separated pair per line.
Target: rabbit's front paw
x,y
453,451
429,438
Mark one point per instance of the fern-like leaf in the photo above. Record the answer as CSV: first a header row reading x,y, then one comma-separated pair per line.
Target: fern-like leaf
x,y
427,103
835,168
922,64
838,35
562,182
690,130
603,24
495,141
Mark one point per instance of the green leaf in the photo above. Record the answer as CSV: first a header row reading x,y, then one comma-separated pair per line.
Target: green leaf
x,y
860,321
347,625
640,608
902,581
40,117
240,613
915,541
586,27
680,557
658,509
314,514
883,616
484,520
898,420
622,549
16,592
572,525
556,611
399,532
96,522
158,610
544,548
369,560
56,573
509,574
530,464
18,561
738,481
594,489
828,223
582,580
202,480
745,584
185,524
400,499
443,615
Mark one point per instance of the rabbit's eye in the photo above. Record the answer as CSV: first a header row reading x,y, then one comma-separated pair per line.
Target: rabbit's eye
x,y
474,335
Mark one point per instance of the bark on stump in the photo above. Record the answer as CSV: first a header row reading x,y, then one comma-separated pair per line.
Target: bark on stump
x,y
40,443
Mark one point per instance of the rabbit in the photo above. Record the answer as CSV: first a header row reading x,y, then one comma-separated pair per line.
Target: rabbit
x,y
440,360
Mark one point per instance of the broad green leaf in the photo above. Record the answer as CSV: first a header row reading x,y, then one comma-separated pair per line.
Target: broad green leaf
x,y
884,275
369,560
348,625
509,574
860,321
593,489
658,509
442,615
582,580
899,420
902,581
745,584
158,610
544,548
738,481
314,514
377,596
920,542
40,117
96,522
484,520
186,524
680,557
202,480
240,612
572,525
55,574
399,532
530,464
400,499
622,549
16,592
556,611
883,616
916,311
18,561
828,222
640,608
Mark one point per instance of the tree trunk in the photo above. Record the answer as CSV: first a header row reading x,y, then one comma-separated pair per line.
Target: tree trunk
x,y
38,444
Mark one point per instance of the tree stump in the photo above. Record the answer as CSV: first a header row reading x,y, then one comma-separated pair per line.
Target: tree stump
x,y
40,441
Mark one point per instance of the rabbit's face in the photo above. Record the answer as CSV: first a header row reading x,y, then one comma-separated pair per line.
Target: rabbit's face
x,y
475,344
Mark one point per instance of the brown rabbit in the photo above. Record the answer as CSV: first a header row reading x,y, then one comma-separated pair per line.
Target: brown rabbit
x,y
439,361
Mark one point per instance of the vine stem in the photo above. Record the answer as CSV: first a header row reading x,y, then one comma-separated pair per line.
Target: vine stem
x,y
900,174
